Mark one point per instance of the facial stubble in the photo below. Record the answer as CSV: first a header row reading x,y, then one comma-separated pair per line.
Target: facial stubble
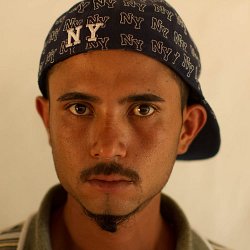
x,y
107,221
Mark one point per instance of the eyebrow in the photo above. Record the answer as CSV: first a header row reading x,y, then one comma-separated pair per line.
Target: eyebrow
x,y
78,96
142,98
91,98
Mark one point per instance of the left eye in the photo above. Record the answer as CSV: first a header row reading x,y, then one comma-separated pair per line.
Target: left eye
x,y
79,109
143,110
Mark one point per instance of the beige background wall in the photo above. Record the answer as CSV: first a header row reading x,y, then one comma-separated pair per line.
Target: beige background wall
x,y
215,194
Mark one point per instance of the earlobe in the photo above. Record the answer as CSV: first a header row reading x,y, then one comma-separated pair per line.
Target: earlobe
x,y
194,119
42,107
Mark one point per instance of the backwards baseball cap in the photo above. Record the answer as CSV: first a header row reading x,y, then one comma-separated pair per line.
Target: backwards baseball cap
x,y
150,27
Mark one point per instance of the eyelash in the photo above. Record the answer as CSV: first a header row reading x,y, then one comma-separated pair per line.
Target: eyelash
x,y
130,111
155,109
70,105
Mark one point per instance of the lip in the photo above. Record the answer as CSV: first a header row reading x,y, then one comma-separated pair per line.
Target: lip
x,y
109,178
109,183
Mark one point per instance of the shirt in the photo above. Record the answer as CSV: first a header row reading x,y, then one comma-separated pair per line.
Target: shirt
x,y
33,234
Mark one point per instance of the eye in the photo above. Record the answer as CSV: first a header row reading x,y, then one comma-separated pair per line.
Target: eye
x,y
143,110
79,109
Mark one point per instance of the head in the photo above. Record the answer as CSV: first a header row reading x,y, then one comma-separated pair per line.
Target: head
x,y
116,107
118,118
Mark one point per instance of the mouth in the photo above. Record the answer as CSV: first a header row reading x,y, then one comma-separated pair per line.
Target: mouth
x,y
109,183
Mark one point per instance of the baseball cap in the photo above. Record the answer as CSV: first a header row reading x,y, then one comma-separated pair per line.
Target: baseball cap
x,y
150,27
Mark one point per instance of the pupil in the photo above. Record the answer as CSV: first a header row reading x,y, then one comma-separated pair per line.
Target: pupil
x,y
80,109
144,109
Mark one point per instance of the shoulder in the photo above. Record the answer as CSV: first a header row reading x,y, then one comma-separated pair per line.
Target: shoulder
x,y
9,238
202,243
187,237
216,246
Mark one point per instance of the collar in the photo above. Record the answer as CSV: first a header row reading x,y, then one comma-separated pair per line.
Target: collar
x,y
38,237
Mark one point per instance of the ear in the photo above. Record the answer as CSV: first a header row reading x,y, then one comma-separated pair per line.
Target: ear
x,y
194,118
42,107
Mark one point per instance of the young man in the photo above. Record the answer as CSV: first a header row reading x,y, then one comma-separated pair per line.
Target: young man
x,y
121,102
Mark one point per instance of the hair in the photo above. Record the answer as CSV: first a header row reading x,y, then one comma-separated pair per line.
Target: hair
x,y
184,90
46,82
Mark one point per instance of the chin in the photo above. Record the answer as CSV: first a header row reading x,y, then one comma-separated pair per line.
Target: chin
x,y
110,205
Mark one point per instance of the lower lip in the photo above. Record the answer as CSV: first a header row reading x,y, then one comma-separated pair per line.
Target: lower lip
x,y
109,186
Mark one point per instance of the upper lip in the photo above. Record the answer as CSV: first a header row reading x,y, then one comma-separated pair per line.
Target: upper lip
x,y
109,178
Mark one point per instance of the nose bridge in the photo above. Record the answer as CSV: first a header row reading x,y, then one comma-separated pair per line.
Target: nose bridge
x,y
109,140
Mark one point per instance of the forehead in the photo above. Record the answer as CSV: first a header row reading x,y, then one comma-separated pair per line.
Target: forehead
x,y
111,69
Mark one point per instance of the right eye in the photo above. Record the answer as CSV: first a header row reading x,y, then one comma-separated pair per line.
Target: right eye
x,y
79,109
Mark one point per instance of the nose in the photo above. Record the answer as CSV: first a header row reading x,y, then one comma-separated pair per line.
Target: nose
x,y
108,141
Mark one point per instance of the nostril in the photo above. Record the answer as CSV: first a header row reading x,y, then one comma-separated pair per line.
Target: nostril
x,y
108,151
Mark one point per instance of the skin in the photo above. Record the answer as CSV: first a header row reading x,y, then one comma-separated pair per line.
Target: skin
x,y
115,128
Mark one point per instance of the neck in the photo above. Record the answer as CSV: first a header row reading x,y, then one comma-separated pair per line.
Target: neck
x,y
72,229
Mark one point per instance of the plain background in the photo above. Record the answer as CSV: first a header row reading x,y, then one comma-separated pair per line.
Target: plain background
x,y
215,194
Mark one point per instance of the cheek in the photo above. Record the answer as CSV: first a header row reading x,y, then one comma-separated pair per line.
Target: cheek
x,y
158,135
68,144
156,146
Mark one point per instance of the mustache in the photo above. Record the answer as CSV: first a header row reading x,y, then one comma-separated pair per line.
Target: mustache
x,y
109,169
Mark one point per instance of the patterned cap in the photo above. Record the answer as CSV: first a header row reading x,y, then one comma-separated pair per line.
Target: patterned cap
x,y
151,27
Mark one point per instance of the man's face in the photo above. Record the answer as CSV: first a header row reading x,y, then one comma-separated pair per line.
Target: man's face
x,y
113,107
